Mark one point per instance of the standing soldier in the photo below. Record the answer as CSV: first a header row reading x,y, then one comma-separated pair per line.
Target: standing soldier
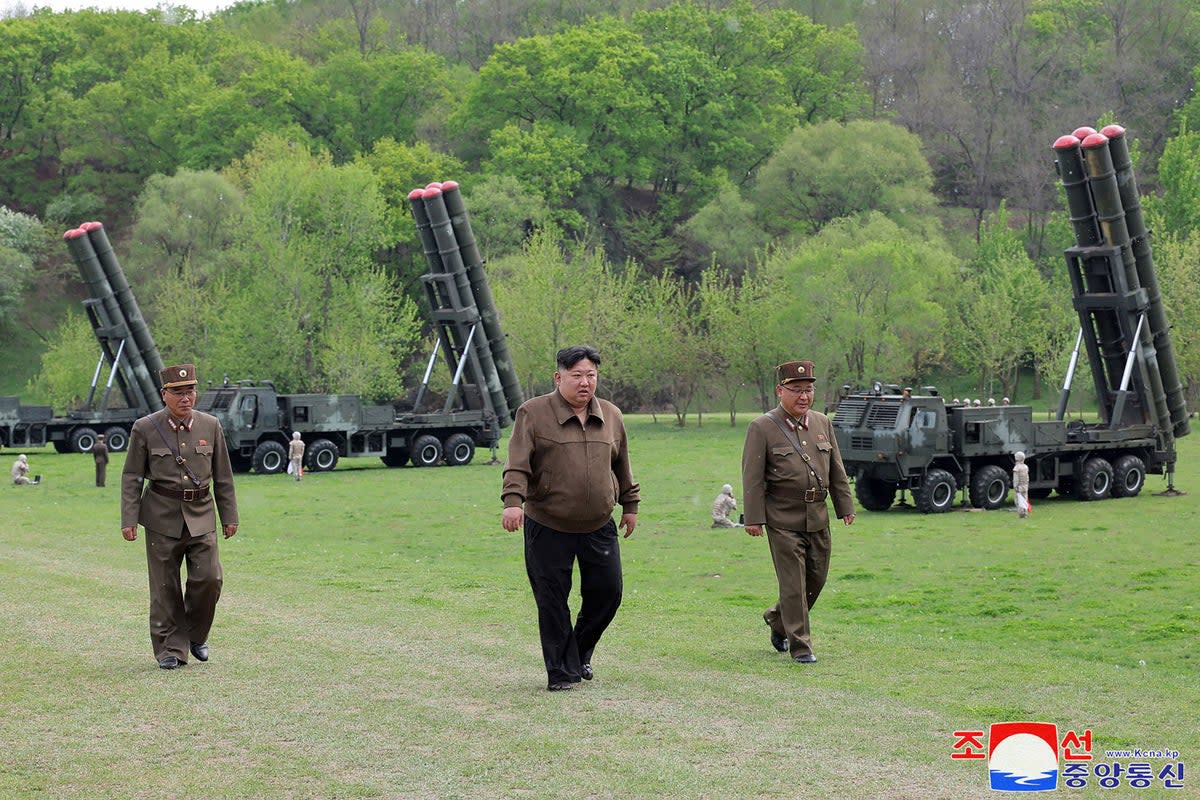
x,y
100,453
296,455
1020,480
182,453
790,464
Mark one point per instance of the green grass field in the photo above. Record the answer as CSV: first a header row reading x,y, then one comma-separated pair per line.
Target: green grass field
x,y
377,639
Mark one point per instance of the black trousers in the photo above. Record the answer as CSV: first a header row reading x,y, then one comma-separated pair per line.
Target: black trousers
x,y
550,557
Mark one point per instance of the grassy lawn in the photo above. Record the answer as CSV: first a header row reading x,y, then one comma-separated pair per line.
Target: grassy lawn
x,y
377,639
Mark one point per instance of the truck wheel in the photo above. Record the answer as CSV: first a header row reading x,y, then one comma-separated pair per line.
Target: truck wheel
x,y
874,494
427,451
1129,476
61,446
270,458
322,456
117,439
459,449
82,440
1096,482
395,457
989,487
937,492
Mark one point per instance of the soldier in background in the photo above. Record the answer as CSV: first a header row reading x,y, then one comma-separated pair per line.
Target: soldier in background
x,y
182,453
1020,481
20,473
100,454
723,506
296,455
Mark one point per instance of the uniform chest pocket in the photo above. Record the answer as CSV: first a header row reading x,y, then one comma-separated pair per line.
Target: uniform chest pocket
x,y
204,450
824,447
785,462
161,452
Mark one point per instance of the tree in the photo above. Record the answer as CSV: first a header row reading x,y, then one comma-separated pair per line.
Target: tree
x,y
824,172
21,239
867,298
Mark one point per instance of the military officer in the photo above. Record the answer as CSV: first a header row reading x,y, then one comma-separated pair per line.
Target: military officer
x,y
790,465
182,453
100,454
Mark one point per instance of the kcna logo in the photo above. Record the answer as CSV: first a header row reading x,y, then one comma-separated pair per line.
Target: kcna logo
x,y
1023,756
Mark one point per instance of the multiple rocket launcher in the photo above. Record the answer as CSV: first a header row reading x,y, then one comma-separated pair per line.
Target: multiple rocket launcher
x,y
460,298
1116,292
117,320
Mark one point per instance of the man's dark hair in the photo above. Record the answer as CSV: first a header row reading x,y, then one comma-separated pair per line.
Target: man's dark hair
x,y
570,356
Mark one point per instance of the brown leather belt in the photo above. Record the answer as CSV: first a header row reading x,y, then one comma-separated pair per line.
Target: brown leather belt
x,y
812,495
186,495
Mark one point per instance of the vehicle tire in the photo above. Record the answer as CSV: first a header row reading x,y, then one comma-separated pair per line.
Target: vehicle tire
x,y
395,457
1096,482
322,456
1129,476
936,494
117,439
459,449
874,494
270,458
61,447
427,451
82,440
989,487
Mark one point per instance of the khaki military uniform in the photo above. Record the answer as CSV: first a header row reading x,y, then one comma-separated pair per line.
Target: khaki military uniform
x,y
100,454
296,456
180,521
787,492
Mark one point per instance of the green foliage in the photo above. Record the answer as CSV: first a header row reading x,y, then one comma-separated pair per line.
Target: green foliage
x,y
67,365
185,224
1177,258
727,230
828,171
871,293
22,237
504,212
1178,208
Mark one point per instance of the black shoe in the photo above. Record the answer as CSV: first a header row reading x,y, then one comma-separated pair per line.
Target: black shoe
x,y
778,640
169,662
805,658
560,687
200,650
586,672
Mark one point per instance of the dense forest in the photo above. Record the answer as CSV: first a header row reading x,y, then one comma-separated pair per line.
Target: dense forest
x,y
699,189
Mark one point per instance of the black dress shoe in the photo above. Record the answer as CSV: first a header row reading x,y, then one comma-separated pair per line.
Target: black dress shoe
x,y
169,662
778,640
805,658
200,650
564,686
586,672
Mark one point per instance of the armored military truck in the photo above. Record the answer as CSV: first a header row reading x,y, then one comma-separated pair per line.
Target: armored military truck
x,y
894,440
891,440
259,422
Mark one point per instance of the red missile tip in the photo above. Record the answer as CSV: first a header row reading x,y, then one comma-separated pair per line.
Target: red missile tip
x,y
1084,132
74,233
434,185
416,194
1113,131
432,191
1066,142
91,226
1095,140
449,186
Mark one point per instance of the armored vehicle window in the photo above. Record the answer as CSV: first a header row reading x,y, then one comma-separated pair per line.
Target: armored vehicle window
x,y
248,410
300,414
